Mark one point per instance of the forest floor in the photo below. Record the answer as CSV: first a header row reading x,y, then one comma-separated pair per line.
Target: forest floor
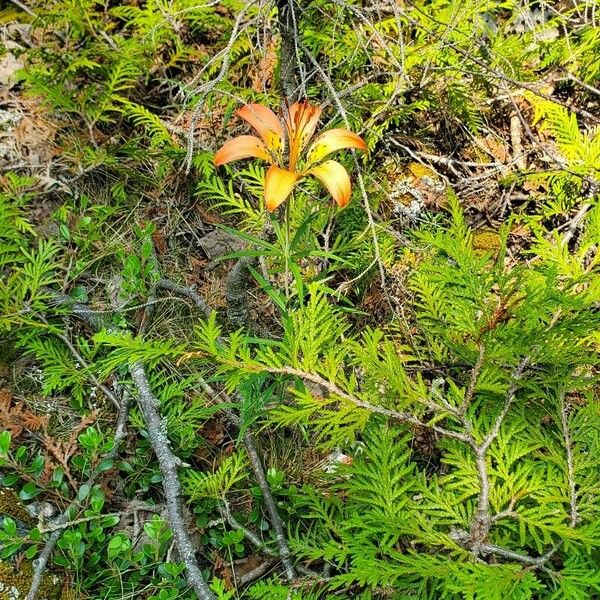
x,y
139,457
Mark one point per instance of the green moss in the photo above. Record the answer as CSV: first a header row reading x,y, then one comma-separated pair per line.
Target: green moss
x,y
486,240
12,506
15,583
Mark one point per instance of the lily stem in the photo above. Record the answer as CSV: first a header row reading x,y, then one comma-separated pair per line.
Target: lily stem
x,y
287,249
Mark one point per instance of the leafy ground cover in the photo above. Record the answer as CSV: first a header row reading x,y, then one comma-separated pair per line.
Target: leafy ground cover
x,y
234,380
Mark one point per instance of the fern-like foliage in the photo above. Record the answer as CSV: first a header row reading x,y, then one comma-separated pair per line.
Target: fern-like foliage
x,y
396,521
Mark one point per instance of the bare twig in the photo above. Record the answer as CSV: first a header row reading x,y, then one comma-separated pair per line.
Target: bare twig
x,y
575,222
509,398
473,380
76,309
188,292
24,8
462,538
257,542
208,87
66,524
83,363
587,86
257,572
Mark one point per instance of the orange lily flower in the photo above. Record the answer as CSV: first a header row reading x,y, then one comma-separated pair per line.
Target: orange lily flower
x,y
297,129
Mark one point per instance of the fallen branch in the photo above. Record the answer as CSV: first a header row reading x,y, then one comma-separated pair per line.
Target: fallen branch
x,y
24,8
188,292
276,522
167,461
168,464
257,542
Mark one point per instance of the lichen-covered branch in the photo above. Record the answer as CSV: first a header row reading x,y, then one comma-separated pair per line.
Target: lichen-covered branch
x,y
238,283
168,464
289,59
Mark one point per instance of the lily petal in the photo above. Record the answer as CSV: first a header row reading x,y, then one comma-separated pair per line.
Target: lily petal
x,y
279,184
243,146
331,140
303,121
335,178
266,124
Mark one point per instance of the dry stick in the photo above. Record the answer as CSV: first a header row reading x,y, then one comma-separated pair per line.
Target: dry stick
x,y
206,88
259,473
475,540
473,380
84,365
168,464
76,309
292,6
582,83
188,292
257,572
256,541
464,539
238,282
516,141
39,565
24,8
575,222
57,526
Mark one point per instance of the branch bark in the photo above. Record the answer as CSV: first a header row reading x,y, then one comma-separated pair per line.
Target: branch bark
x,y
168,464
259,473
238,282
289,57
